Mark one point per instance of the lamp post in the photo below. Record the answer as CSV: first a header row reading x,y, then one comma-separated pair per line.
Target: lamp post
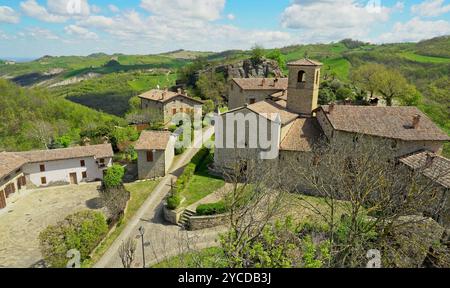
x,y
142,232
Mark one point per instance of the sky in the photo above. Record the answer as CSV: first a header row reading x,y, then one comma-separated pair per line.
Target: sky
x,y
33,28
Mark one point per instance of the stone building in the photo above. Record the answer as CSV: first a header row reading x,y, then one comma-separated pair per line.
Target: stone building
x,y
164,104
242,91
75,165
301,122
156,151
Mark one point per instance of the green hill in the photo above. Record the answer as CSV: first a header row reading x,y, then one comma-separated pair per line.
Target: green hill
x,y
29,114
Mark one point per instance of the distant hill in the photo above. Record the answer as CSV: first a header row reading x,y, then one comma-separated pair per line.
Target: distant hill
x,y
437,47
185,54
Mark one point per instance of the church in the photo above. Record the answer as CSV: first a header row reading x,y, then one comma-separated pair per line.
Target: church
x,y
296,122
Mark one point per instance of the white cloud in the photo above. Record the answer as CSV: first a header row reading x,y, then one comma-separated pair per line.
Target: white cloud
x,y
208,10
415,30
8,15
430,8
327,20
69,7
39,33
33,9
80,32
231,17
113,8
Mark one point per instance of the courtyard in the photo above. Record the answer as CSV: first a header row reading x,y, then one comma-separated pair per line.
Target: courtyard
x,y
21,222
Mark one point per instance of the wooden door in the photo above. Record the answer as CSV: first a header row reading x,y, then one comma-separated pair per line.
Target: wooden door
x,y
73,178
2,199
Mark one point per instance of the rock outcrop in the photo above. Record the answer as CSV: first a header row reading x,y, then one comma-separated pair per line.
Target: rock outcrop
x,y
248,69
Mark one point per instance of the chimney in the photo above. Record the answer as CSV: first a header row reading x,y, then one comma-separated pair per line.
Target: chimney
x,y
331,108
179,91
163,94
416,121
275,81
105,139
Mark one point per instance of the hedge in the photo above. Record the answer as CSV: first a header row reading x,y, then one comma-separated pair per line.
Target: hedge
x,y
114,176
82,231
174,201
212,209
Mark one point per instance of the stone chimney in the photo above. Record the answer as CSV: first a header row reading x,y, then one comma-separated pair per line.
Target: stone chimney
x,y
331,107
105,139
179,91
416,121
86,141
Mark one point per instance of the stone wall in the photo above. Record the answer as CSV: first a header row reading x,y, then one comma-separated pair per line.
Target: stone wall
x,y
154,169
172,216
205,222
238,97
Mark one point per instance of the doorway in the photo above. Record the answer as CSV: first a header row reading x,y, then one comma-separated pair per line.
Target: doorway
x,y
2,199
73,178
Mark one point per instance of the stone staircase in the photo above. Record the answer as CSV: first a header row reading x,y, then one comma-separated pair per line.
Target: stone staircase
x,y
184,221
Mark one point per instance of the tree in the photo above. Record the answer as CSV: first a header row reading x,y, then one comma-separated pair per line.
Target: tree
x,y
365,77
277,56
370,200
392,85
113,176
43,132
127,252
211,86
257,54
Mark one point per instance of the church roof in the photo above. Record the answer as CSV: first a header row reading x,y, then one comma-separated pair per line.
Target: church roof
x,y
304,62
269,107
262,83
164,96
302,135
387,122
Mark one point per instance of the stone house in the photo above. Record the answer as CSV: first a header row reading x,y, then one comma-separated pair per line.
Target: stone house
x,y
156,151
242,91
25,170
301,122
164,104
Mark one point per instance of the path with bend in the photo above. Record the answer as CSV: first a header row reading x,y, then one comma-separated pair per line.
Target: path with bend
x,y
161,239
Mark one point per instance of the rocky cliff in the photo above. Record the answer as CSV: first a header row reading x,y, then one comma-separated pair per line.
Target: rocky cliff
x,y
248,69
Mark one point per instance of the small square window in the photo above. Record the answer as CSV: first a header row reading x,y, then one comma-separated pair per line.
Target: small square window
x,y
84,174
102,161
43,180
83,163
42,167
149,156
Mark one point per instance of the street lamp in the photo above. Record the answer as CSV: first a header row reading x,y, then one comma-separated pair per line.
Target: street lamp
x,y
142,232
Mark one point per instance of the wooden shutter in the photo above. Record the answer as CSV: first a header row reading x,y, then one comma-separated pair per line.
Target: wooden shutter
x,y
149,156
42,167
83,163
2,199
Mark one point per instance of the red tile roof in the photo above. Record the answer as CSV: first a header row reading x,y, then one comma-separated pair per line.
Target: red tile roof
x,y
9,162
97,151
431,165
153,140
261,83
387,122
304,62
302,135
272,108
164,96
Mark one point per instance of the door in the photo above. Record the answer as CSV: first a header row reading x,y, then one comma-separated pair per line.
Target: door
x,y
73,178
2,200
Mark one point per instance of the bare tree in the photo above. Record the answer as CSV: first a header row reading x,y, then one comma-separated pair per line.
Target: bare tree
x,y
42,132
369,195
127,252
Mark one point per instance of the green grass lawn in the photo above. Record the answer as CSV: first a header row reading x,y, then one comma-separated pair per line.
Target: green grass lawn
x,y
207,258
202,184
139,193
424,59
340,66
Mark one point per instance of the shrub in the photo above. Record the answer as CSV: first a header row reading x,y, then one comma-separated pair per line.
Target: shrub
x,y
212,209
82,231
173,202
113,177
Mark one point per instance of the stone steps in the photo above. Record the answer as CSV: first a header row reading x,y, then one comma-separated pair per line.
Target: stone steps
x,y
185,218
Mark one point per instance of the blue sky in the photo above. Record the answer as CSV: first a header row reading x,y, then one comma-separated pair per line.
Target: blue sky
x,y
32,28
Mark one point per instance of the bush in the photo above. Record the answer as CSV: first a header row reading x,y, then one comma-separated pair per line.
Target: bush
x,y
173,202
82,231
113,177
212,209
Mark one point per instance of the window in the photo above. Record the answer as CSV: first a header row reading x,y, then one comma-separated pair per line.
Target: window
x,y
18,171
84,174
83,163
102,161
252,100
42,167
149,156
174,111
182,110
43,180
301,76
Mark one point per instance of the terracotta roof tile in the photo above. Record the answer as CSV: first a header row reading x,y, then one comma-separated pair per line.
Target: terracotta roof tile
x,y
304,62
97,151
153,140
164,96
387,122
270,107
9,162
262,83
302,135
433,166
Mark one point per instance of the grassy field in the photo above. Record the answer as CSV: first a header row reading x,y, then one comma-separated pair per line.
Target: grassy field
x,y
202,184
139,193
207,258
424,59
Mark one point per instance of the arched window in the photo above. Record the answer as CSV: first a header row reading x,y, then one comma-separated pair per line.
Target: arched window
x,y
301,76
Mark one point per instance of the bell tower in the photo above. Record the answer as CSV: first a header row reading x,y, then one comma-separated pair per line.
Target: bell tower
x,y
303,89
